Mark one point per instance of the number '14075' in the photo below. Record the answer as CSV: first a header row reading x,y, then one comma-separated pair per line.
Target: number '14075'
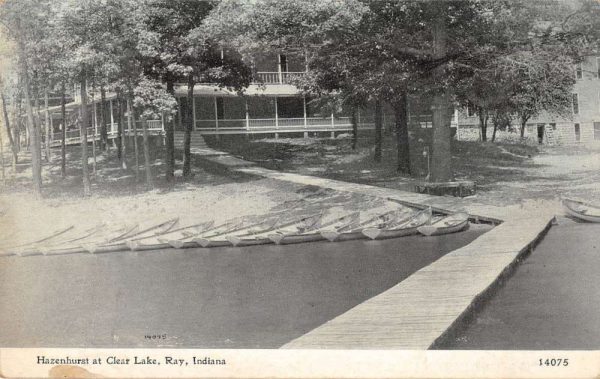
x,y
554,362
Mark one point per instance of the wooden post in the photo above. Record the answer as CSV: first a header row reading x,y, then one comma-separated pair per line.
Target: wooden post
x,y
276,119
216,118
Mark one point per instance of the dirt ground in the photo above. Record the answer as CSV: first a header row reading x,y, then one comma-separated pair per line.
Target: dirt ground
x,y
505,173
118,198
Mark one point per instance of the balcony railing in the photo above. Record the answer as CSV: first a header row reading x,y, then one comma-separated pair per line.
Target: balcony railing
x,y
277,77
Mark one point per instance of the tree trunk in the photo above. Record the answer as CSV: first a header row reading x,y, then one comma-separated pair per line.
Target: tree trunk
x,y
354,120
132,126
103,130
47,125
87,188
63,144
147,166
121,152
17,122
441,157
124,136
401,115
117,105
9,134
170,140
494,131
523,126
378,131
32,126
483,119
95,128
189,121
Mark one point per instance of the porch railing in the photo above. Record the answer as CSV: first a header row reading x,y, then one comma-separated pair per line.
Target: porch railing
x,y
265,77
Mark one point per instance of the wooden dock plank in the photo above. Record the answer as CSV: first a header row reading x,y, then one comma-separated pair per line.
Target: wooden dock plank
x,y
415,312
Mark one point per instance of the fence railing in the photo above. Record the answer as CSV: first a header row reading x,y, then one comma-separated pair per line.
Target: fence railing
x,y
265,77
279,125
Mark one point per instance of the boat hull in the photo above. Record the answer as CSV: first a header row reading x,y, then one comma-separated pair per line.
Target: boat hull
x,y
382,234
296,238
432,230
239,242
569,206
340,237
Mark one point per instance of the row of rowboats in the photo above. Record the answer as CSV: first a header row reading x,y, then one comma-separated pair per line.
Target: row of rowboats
x,y
280,227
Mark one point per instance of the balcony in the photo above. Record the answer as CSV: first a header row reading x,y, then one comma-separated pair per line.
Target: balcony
x,y
264,77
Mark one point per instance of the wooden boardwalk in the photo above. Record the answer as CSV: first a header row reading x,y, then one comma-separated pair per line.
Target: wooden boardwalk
x,y
423,308
413,314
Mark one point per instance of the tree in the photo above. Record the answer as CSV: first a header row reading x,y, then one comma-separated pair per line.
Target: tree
x,y
176,46
151,101
9,132
23,21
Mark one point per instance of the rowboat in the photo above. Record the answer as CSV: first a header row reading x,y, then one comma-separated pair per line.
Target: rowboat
x,y
148,231
298,223
449,224
162,241
52,236
71,239
240,225
119,243
581,210
352,232
400,227
313,233
267,224
186,240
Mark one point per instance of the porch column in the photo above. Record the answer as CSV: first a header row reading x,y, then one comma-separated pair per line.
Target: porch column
x,y
179,115
216,116
95,120
247,115
457,127
194,112
305,119
332,125
51,129
276,118
112,123
279,74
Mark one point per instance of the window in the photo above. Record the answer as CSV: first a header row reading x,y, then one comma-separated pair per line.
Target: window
x,y
470,110
575,104
577,133
283,63
579,71
219,108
